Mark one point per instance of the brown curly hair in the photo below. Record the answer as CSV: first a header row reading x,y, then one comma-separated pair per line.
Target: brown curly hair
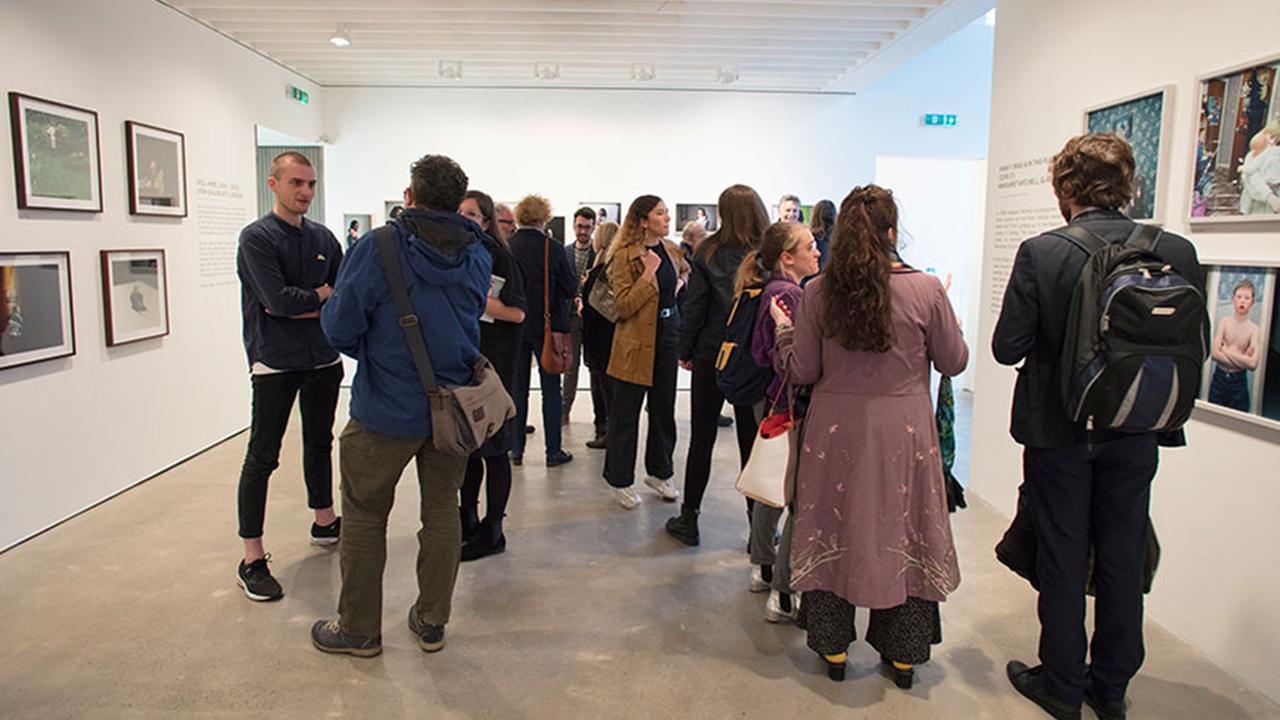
x,y
856,307
1095,171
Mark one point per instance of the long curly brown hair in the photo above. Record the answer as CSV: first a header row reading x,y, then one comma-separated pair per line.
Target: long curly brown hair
x,y
856,308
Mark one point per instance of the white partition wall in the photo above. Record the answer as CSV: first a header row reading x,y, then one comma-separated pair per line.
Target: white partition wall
x,y
1213,502
80,429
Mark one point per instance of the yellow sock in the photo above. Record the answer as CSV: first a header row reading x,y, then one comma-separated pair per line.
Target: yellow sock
x,y
901,666
837,659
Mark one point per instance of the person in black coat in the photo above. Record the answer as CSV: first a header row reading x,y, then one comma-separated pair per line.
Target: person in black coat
x,y
546,272
1081,485
597,336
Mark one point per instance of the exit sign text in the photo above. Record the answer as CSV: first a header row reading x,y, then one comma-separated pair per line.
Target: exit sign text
x,y
940,119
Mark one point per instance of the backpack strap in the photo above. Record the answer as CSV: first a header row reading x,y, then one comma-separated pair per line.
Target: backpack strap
x,y
1144,237
390,250
1082,237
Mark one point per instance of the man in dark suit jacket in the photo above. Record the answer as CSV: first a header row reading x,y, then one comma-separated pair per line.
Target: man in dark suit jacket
x,y
581,256
1083,487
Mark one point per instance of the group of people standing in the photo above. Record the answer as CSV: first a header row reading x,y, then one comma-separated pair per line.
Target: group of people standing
x,y
841,315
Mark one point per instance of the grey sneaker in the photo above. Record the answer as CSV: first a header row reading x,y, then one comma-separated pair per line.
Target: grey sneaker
x,y
327,636
430,637
256,581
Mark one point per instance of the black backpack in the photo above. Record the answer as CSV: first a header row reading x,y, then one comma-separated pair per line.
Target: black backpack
x,y
1135,344
738,376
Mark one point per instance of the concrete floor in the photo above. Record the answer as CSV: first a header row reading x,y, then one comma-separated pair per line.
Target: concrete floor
x,y
131,611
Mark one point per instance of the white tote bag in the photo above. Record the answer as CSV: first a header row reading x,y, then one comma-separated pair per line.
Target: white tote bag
x,y
767,477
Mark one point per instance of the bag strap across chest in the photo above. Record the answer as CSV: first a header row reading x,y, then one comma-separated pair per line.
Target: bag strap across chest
x,y
389,249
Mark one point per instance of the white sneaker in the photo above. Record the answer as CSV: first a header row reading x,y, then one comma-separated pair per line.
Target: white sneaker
x,y
665,488
758,583
626,497
773,611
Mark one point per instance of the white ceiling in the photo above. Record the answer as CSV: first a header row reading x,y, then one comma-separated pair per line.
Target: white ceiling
x,y
774,45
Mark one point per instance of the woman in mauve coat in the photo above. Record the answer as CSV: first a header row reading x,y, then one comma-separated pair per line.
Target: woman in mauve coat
x,y
871,528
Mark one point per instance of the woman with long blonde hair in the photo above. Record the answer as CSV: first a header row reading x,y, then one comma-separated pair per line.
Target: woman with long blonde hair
x,y
645,271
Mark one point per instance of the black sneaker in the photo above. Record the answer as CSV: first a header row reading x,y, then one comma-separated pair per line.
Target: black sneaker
x,y
559,459
684,527
327,636
1030,682
430,637
326,534
257,582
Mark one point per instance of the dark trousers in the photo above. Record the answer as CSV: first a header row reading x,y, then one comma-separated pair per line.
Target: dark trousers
x,y
273,396
570,390
706,401
601,400
495,471
624,419
1078,494
528,353
1229,389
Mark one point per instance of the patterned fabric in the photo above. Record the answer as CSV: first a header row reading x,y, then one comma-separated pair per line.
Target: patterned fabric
x,y
903,633
1137,121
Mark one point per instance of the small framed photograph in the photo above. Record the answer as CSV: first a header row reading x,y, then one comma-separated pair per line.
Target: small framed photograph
x,y
1242,375
135,295
1144,121
605,211
1236,173
392,209
704,215
355,225
36,320
56,157
157,170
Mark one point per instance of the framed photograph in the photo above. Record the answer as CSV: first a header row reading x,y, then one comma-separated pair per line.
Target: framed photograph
x,y
392,209
556,228
605,212
354,225
1242,375
703,214
157,170
1144,120
1236,173
56,158
36,321
135,295
806,212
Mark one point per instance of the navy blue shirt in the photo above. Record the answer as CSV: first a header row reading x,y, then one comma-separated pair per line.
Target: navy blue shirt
x,y
280,266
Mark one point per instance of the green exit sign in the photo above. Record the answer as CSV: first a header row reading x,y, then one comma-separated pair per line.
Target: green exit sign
x,y
298,94
940,120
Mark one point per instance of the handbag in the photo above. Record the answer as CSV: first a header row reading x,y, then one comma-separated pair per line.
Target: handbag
x,y
601,298
557,347
464,417
769,475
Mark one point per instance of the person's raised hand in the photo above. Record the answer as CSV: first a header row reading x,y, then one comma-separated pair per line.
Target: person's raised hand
x,y
651,262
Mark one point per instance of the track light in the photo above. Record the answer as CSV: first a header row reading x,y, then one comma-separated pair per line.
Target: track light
x,y
450,70
726,75
340,38
643,72
546,70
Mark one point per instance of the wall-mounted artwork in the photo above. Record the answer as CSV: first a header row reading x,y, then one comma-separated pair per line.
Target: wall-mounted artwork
x,y
353,226
1143,122
806,212
605,212
704,215
36,321
157,170
392,209
56,158
556,228
1236,174
135,294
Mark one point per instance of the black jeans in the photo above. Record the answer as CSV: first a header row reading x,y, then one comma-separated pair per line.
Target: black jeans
x,y
273,395
624,418
529,352
601,400
1101,494
706,401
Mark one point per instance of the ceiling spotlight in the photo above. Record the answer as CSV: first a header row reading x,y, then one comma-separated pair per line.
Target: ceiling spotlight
x,y
450,70
726,75
340,38
643,71
546,70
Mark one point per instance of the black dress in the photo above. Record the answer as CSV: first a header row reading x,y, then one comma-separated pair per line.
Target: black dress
x,y
499,340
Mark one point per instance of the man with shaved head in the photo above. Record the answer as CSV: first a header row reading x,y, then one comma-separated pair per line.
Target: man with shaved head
x,y
287,265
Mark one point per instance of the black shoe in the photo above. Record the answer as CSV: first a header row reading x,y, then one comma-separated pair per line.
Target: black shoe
x,y
470,523
600,443
517,459
724,421
487,540
902,678
328,637
528,429
835,670
326,534
684,527
559,458
430,637
1030,682
257,582
1104,709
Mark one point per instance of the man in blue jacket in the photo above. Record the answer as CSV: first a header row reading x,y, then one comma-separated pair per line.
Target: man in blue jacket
x,y
447,270
287,265
1082,487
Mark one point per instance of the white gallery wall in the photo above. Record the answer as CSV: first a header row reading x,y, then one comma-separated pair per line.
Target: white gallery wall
x,y
80,429
1213,502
